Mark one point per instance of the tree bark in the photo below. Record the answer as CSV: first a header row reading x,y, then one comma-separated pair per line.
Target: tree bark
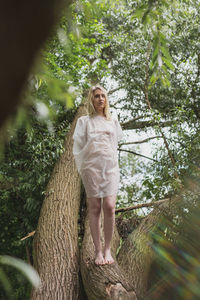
x,y
56,252
103,282
24,27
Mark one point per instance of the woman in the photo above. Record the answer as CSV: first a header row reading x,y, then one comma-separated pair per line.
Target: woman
x,y
95,150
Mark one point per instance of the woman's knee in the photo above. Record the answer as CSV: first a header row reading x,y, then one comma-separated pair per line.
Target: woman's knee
x,y
95,211
94,207
109,206
109,210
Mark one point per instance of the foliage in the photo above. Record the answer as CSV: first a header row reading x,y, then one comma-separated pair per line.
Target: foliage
x,y
25,172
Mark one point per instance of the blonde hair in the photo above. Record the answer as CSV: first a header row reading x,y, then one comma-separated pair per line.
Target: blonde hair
x,y
91,109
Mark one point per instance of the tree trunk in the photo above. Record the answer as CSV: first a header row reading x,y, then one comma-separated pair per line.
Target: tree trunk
x,y
56,252
103,282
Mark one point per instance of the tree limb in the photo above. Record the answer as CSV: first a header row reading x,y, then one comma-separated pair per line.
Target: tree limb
x,y
136,254
142,141
116,89
144,124
123,209
135,153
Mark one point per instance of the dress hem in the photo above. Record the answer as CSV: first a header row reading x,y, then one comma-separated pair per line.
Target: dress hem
x,y
114,194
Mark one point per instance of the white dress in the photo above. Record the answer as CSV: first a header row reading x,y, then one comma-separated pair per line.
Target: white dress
x,y
95,153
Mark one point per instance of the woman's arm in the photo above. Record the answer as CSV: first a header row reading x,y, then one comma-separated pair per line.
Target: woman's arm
x,y
119,132
79,135
80,140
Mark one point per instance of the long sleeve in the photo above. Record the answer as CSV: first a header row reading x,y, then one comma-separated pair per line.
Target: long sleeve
x,y
80,140
119,131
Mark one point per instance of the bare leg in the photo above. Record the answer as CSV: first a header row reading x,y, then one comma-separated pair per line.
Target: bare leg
x,y
109,221
94,208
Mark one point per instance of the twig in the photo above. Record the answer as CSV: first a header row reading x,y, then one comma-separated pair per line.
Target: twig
x,y
115,90
123,209
138,154
142,141
27,236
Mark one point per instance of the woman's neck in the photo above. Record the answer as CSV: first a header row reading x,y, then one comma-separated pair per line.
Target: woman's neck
x,y
100,113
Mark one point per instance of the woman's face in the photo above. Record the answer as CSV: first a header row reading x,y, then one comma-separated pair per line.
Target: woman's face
x,y
99,100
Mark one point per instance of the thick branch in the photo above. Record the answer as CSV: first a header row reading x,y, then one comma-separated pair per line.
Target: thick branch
x,y
132,124
136,255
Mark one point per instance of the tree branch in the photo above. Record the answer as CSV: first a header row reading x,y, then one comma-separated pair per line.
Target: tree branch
x,y
28,235
138,154
136,254
123,209
144,124
115,90
142,141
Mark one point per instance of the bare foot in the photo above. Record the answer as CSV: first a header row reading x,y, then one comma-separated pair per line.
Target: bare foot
x,y
108,257
99,259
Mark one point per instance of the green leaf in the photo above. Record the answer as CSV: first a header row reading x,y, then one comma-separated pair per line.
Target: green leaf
x,y
165,81
168,63
5,281
146,19
29,272
69,100
140,12
165,52
162,38
154,78
160,60
164,69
